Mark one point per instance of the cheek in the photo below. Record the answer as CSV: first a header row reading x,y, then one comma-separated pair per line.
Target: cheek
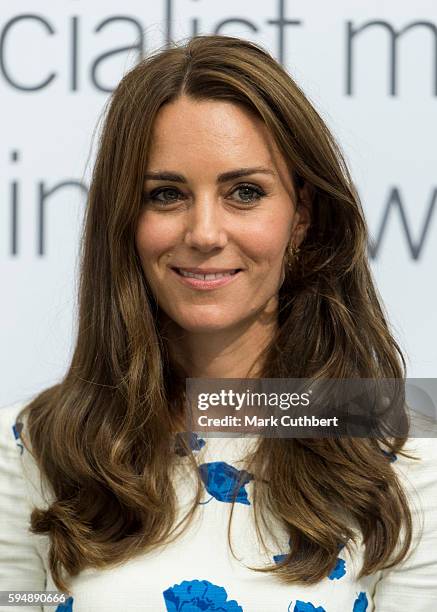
x,y
153,238
265,242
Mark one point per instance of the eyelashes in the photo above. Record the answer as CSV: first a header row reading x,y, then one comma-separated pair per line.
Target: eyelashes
x,y
152,196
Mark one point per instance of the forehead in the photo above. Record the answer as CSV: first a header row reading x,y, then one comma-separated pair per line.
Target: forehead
x,y
214,132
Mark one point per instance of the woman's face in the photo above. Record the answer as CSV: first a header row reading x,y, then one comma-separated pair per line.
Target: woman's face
x,y
204,219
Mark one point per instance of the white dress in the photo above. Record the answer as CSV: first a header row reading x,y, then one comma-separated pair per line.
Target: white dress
x,y
197,572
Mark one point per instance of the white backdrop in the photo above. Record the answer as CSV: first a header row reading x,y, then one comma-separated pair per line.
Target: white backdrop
x,y
370,68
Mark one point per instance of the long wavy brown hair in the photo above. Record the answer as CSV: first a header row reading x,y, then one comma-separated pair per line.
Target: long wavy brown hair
x,y
103,436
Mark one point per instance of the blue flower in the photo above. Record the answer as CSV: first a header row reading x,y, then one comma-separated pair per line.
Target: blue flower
x,y
280,558
67,606
339,570
391,456
198,596
191,438
17,429
360,604
302,606
221,480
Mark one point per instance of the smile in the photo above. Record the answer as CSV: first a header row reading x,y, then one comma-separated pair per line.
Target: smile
x,y
206,281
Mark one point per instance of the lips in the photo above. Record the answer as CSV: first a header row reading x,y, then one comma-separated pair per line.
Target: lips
x,y
208,281
205,274
206,270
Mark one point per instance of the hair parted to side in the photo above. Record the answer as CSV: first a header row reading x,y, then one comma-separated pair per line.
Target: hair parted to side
x,y
103,436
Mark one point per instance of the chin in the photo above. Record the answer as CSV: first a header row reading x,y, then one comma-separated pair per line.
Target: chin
x,y
204,324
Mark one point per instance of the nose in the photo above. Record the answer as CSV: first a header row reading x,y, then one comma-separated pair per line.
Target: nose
x,y
205,225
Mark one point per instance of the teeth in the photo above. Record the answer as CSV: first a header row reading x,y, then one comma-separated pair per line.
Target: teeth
x,y
206,276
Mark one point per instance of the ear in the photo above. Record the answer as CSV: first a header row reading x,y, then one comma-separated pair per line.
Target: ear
x,y
303,215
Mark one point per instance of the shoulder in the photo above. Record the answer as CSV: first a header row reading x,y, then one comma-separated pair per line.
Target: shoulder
x,y
18,469
418,477
21,551
420,474
12,450
14,499
10,429
412,584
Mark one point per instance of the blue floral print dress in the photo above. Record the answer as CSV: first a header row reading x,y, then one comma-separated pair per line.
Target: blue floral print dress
x,y
197,572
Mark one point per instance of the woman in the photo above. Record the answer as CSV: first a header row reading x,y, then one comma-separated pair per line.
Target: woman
x,y
212,160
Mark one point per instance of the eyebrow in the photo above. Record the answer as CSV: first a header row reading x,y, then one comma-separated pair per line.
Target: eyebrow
x,y
165,175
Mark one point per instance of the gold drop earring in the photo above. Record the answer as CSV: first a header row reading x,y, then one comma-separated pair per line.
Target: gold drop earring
x,y
292,254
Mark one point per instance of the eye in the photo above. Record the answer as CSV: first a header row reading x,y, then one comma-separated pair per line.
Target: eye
x,y
247,190
248,194
153,195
